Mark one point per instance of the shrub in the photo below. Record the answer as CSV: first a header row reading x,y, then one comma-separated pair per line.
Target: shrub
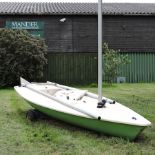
x,y
20,55
112,62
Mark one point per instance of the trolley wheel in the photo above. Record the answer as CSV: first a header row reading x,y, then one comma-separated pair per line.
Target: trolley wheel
x,y
32,115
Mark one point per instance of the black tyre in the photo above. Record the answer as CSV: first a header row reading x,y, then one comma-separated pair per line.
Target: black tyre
x,y
32,115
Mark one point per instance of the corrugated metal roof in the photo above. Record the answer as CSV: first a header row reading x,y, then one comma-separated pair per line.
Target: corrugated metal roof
x,y
76,8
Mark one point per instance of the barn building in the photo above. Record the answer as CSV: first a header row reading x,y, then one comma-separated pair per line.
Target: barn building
x,y
70,32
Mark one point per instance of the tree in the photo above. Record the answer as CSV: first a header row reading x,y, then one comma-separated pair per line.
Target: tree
x,y
112,61
20,55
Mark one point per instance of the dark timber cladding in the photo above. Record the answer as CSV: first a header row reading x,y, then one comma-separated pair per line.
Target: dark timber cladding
x,y
130,33
76,34
79,33
127,33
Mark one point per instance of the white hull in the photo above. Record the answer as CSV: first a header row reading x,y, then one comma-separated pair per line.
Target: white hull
x,y
78,102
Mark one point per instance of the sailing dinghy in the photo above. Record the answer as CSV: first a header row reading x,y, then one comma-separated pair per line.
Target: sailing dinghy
x,y
81,108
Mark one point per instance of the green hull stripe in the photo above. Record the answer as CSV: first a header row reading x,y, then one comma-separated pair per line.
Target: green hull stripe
x,y
126,131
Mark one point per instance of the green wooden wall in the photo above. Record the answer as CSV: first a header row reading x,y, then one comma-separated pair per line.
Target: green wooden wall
x,y
81,68
141,68
72,68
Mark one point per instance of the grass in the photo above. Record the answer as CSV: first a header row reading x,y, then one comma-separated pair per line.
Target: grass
x,y
19,136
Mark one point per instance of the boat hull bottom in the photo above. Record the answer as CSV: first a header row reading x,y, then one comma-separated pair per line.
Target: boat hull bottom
x,y
126,131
